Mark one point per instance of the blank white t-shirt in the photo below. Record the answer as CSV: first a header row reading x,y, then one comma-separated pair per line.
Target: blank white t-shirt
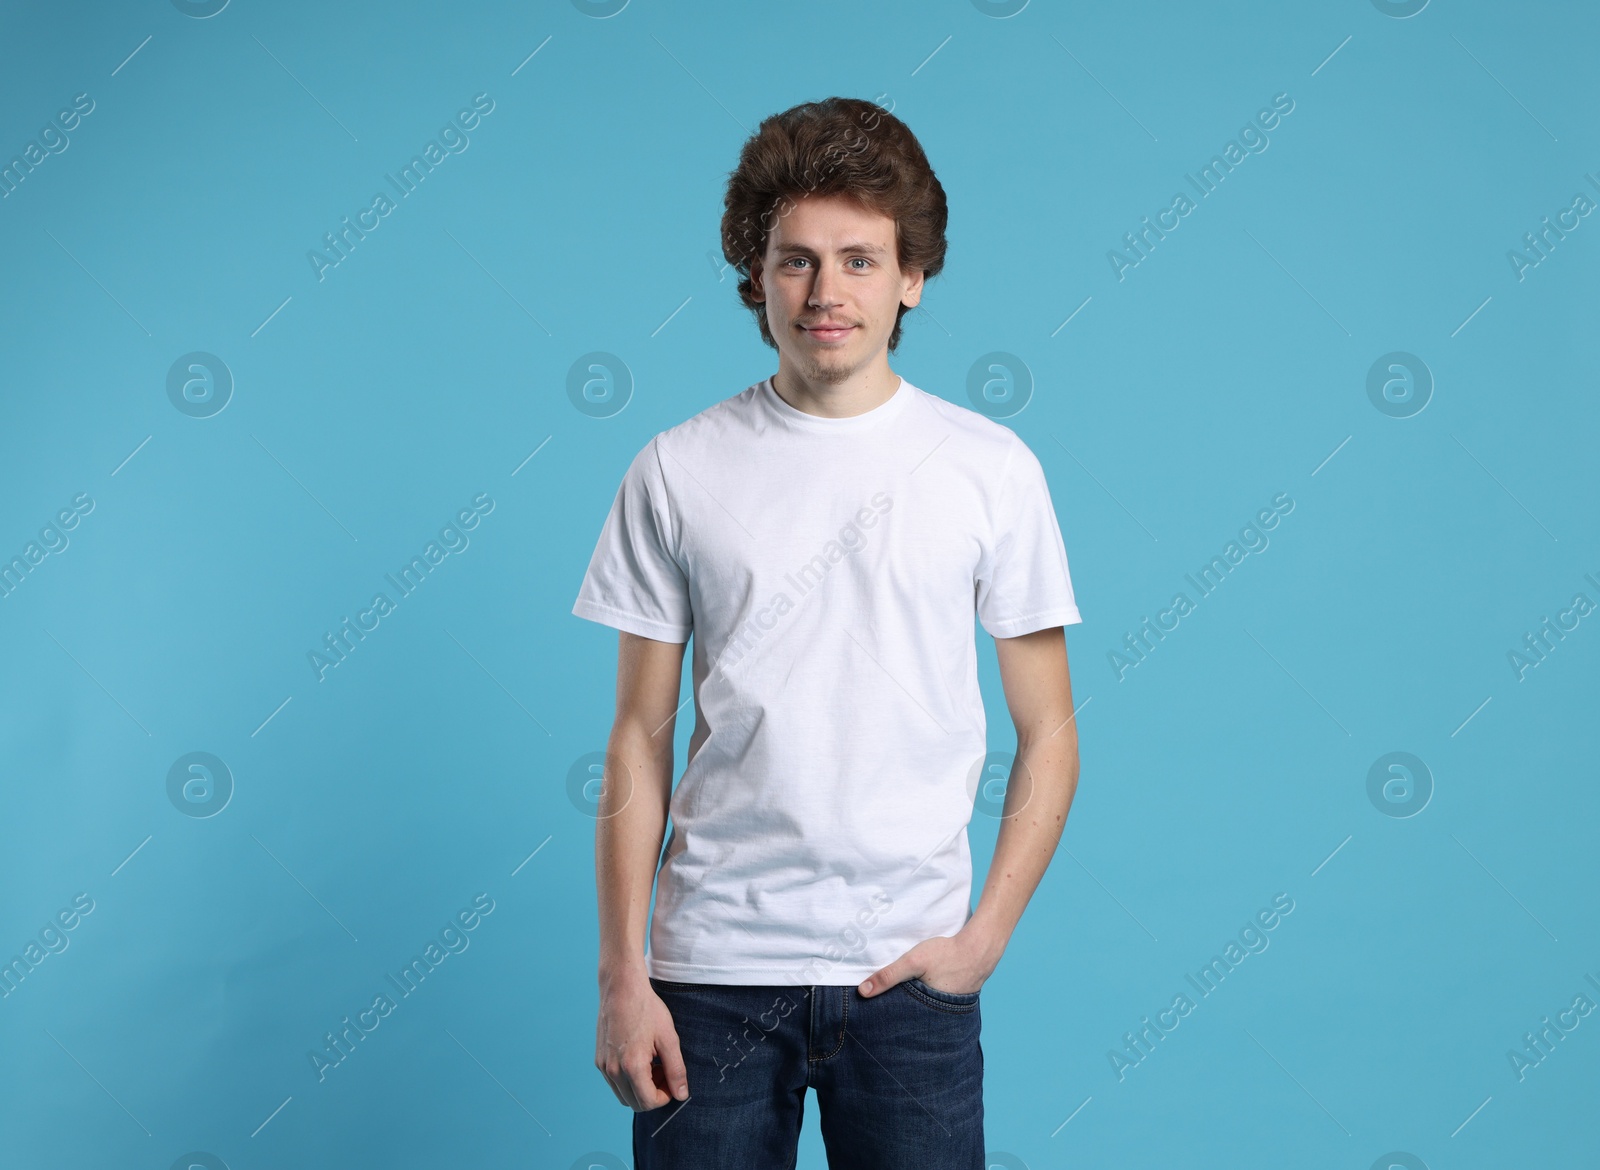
x,y
830,570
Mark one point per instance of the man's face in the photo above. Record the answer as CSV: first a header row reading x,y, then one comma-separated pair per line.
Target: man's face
x,y
832,285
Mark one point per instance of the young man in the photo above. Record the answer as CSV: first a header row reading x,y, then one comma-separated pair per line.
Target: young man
x,y
827,535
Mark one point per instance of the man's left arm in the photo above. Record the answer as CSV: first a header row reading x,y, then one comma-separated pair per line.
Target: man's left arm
x,y
1044,777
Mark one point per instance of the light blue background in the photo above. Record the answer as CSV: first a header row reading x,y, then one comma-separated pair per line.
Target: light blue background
x,y
372,405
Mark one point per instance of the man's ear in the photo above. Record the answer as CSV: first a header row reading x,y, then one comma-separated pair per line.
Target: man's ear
x,y
913,294
757,293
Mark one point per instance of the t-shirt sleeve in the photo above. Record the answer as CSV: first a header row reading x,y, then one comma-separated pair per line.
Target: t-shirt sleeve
x,y
633,582
1022,580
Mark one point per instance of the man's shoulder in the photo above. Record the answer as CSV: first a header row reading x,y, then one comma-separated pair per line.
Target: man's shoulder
x,y
966,418
986,437
714,422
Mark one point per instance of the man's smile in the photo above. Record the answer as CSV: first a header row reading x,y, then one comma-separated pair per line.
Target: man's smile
x,y
828,331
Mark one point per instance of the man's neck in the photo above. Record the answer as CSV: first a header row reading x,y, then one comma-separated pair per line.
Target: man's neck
x,y
863,391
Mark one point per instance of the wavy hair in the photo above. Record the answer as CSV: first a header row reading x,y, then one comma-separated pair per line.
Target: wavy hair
x,y
836,146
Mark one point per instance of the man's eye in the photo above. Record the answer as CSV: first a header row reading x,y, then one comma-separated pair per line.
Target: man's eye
x,y
863,260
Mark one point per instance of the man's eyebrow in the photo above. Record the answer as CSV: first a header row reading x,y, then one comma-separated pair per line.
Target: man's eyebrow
x,y
850,246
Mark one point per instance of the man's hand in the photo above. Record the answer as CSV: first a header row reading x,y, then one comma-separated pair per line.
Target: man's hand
x,y
957,963
636,1045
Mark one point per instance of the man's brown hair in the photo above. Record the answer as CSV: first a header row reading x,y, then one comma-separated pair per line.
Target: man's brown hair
x,y
837,146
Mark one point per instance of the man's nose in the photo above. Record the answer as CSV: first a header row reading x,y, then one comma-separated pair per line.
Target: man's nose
x,y
825,288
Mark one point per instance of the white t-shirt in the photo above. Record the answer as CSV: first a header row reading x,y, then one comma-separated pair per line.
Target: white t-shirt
x,y
830,570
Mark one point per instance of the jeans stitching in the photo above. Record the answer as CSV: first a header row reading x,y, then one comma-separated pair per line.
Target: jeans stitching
x,y
673,985
958,1009
844,1025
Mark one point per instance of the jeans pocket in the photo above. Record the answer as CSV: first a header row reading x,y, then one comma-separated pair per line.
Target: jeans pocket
x,y
950,1001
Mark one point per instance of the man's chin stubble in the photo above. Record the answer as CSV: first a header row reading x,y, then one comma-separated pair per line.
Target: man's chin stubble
x,y
826,373
830,375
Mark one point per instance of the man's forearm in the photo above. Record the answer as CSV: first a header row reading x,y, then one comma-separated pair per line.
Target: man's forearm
x,y
1028,836
628,834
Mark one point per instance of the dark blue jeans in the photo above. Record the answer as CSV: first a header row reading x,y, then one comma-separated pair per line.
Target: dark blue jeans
x,y
898,1078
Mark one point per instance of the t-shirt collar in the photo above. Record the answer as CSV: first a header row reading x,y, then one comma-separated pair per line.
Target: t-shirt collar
x,y
875,417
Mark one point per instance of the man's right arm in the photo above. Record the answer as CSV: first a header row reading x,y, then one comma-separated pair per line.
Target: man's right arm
x,y
634,1027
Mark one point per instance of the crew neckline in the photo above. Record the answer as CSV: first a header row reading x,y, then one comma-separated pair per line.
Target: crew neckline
x,y
885,410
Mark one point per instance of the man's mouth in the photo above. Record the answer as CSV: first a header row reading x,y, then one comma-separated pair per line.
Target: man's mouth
x,y
828,331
